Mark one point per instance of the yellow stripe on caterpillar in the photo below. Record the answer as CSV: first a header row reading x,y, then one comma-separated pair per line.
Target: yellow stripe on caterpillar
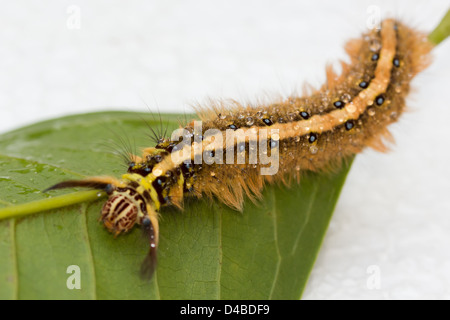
x,y
145,182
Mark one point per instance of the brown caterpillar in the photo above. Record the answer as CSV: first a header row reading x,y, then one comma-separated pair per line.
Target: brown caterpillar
x,y
314,132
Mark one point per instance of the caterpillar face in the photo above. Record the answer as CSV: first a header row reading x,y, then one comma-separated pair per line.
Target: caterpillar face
x,y
122,210
130,202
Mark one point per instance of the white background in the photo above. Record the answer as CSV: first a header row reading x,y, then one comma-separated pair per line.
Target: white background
x,y
392,222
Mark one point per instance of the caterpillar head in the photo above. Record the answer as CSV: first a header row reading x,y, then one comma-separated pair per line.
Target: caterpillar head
x,y
123,209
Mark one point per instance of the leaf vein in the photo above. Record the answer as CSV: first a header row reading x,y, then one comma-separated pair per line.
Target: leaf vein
x,y
277,247
14,257
308,215
89,249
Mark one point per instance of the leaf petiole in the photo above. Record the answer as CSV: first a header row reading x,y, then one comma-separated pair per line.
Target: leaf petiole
x,y
442,31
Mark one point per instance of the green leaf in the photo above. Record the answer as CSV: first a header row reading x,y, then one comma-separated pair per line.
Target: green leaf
x,y
208,251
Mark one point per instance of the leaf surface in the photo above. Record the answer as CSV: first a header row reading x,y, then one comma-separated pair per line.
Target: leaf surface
x,y
208,251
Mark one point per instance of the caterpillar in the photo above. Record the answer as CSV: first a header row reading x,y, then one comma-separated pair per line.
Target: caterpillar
x,y
235,149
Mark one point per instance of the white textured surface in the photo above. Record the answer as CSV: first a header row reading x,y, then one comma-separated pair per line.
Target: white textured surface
x,y
394,213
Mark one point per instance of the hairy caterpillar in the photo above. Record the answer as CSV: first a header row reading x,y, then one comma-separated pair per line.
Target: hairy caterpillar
x,y
314,132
